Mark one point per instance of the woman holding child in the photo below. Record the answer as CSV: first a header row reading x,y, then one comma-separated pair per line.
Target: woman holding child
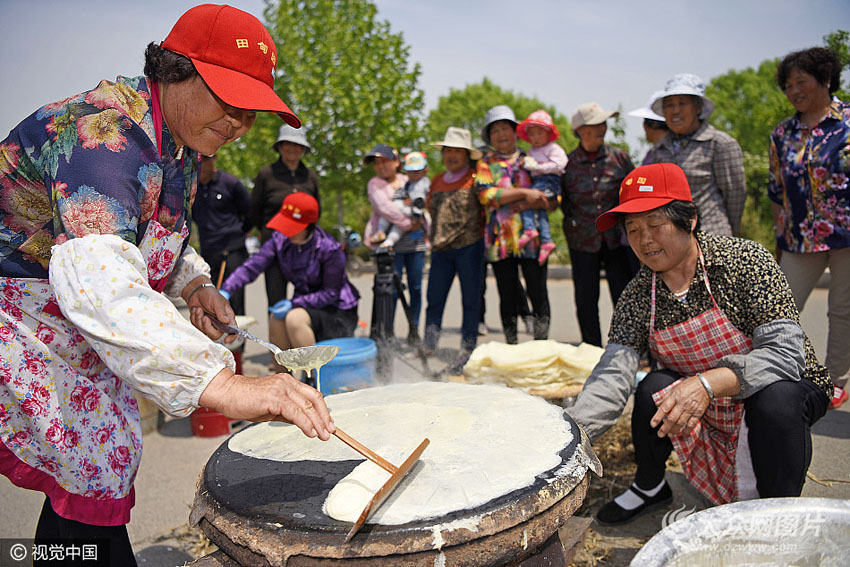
x,y
388,184
504,188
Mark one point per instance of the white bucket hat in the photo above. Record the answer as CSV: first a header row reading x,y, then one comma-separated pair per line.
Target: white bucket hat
x,y
685,84
646,112
589,114
295,135
459,138
495,114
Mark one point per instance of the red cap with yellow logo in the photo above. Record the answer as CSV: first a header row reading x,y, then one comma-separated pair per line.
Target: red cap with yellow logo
x,y
645,188
234,54
298,211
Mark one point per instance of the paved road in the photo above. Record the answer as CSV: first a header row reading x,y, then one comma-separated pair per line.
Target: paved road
x,y
173,458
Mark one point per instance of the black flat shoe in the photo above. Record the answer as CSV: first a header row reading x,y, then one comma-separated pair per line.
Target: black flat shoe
x,y
612,514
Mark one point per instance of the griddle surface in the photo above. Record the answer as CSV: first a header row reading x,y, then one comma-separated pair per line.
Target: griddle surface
x,y
291,494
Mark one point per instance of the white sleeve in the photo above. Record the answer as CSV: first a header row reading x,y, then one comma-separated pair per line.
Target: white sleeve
x,y
101,286
190,266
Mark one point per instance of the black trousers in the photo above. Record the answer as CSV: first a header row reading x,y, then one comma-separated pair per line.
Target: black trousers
x,y
52,527
276,284
779,419
508,284
586,266
232,260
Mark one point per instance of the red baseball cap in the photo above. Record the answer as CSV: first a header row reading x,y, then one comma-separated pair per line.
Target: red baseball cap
x,y
645,188
235,56
298,211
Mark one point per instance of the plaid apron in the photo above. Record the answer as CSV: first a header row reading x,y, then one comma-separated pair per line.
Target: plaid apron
x,y
707,453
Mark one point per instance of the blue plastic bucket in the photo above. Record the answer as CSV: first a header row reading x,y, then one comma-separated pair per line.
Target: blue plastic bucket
x,y
352,369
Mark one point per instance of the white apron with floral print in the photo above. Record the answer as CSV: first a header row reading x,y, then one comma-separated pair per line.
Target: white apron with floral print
x,y
87,416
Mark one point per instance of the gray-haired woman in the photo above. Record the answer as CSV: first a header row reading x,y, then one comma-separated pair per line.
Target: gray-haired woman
x,y
712,160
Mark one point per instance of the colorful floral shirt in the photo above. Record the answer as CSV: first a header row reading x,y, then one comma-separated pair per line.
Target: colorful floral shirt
x,y
504,226
93,225
809,169
589,188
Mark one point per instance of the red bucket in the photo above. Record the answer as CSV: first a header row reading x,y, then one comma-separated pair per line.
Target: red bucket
x,y
209,423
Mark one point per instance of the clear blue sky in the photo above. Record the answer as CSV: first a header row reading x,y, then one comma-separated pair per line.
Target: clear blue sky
x,y
565,52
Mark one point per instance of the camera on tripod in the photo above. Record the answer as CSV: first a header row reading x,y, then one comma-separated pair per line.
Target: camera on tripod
x,y
384,258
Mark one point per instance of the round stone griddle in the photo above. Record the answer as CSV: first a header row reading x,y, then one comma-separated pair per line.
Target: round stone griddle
x,y
275,508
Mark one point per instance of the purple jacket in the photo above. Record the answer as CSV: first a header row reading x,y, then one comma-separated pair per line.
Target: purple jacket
x,y
316,269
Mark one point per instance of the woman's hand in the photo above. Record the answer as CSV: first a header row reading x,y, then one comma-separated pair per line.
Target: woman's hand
x,y
684,405
278,397
681,408
205,301
535,199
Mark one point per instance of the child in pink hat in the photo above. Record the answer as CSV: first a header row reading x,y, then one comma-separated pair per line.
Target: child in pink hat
x,y
546,162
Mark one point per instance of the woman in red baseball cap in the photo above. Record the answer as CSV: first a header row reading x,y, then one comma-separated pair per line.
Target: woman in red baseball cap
x,y
717,319
95,216
324,303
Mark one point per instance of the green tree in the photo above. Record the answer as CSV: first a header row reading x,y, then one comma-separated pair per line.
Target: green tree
x,y
350,80
749,104
465,108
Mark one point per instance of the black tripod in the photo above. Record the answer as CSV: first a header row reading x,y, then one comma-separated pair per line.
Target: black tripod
x,y
386,284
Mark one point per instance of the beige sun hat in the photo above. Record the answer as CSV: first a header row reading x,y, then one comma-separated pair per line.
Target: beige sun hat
x,y
589,114
458,138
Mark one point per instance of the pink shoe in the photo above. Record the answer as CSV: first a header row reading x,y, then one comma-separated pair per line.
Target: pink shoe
x,y
545,249
527,236
838,398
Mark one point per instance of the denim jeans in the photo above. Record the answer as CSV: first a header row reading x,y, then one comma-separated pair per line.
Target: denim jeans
x,y
466,263
413,263
537,219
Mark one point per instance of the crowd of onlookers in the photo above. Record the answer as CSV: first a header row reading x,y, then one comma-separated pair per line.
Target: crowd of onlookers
x,y
491,205
97,197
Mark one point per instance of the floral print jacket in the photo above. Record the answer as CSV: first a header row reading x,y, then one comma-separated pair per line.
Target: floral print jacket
x,y
93,224
809,169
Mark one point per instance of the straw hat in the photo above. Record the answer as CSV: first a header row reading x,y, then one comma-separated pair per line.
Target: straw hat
x,y
459,138
590,114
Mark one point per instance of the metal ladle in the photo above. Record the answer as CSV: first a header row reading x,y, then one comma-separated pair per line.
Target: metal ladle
x,y
300,358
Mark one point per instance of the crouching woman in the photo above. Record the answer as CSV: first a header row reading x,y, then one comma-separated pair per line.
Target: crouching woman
x,y
735,385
